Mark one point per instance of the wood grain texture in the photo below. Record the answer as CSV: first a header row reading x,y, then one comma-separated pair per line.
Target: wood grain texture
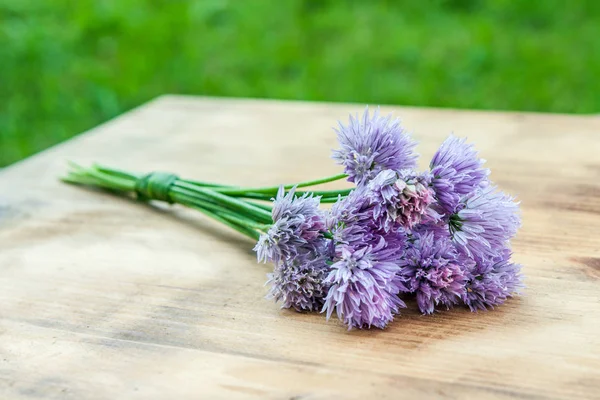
x,y
103,298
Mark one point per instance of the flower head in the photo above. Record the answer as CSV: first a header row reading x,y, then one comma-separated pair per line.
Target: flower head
x,y
400,199
289,205
491,282
487,219
364,286
371,144
350,219
298,282
432,269
297,226
439,230
456,170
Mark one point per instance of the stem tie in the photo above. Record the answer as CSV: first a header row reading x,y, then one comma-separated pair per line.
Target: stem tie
x,y
156,186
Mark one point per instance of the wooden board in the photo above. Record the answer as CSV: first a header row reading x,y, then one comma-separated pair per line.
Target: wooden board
x,y
105,298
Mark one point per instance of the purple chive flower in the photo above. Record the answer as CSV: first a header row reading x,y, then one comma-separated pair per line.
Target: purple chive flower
x,y
491,282
457,170
351,222
364,286
297,226
439,230
432,269
298,282
371,144
487,219
350,219
400,199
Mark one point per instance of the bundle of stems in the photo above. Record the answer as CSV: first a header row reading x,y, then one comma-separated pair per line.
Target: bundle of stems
x,y
244,209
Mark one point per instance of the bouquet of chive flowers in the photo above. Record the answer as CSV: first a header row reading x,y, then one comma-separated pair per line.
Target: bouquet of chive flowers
x,y
440,235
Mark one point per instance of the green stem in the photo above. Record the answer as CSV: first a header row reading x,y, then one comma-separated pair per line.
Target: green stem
x,y
116,172
274,189
226,204
206,184
234,203
130,175
330,200
242,229
99,178
205,201
265,207
248,223
181,196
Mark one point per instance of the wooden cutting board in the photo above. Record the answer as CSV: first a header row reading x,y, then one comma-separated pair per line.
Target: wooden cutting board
x,y
106,298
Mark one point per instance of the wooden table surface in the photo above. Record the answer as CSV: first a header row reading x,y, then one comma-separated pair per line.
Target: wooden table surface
x,y
105,298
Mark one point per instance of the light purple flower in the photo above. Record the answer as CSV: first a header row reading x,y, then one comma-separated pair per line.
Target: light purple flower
x,y
350,219
487,219
491,282
297,225
290,205
439,230
368,145
298,282
432,269
364,286
400,199
457,170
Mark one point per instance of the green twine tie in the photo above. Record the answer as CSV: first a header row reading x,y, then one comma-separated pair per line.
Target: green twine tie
x,y
156,186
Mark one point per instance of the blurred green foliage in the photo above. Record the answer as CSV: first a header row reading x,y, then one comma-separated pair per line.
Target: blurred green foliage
x,y
68,65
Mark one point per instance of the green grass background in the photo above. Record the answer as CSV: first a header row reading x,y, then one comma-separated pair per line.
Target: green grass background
x,y
66,66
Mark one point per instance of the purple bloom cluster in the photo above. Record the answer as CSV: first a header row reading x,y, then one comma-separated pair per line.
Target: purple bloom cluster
x,y
433,270
298,282
372,144
442,236
492,281
295,244
456,171
296,229
484,222
364,285
400,199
